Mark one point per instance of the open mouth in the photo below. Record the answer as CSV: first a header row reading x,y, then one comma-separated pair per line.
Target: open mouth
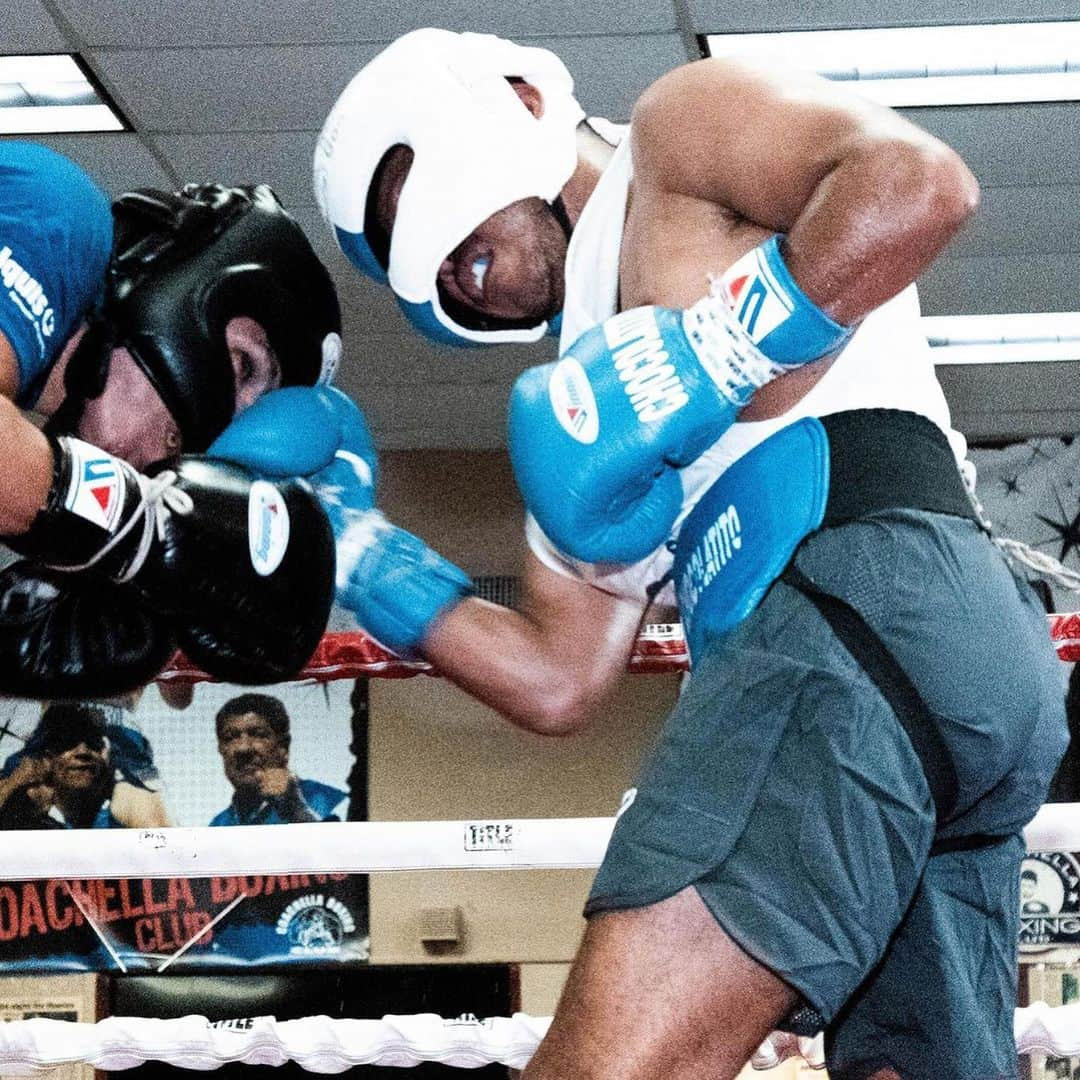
x,y
479,270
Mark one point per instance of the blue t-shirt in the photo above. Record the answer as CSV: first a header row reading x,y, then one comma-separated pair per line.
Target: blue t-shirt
x,y
55,238
323,799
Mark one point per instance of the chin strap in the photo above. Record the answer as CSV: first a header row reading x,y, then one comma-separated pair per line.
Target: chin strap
x,y
558,208
84,379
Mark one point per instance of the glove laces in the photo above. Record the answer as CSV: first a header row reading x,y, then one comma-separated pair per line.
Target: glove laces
x,y
159,498
725,349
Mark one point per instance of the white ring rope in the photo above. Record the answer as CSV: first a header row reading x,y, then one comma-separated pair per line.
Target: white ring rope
x,y
323,1045
354,847
363,847
318,1043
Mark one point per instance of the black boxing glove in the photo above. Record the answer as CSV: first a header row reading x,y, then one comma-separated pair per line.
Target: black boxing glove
x,y
261,555
244,568
76,636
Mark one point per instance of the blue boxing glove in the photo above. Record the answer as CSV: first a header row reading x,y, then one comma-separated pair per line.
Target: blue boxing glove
x,y
393,583
596,438
316,432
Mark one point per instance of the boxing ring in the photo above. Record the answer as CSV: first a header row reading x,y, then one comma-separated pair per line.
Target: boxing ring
x,y
325,1045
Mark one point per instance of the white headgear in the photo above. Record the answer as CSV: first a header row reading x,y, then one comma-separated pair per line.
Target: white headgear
x,y
477,148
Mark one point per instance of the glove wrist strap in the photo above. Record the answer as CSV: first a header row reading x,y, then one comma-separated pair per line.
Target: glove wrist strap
x,y
394,583
92,513
777,316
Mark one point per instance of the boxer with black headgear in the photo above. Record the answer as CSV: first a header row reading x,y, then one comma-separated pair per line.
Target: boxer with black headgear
x,y
204,293
136,351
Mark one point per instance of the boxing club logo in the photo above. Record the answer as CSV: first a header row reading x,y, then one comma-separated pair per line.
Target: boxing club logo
x,y
1049,900
573,402
315,925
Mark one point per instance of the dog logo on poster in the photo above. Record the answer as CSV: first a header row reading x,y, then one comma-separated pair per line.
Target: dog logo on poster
x,y
316,925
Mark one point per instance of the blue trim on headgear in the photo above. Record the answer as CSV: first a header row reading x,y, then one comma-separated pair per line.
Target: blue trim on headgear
x,y
423,317
555,325
360,255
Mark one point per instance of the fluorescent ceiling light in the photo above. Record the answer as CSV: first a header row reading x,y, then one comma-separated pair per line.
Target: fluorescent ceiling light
x,y
1003,339
40,94
931,65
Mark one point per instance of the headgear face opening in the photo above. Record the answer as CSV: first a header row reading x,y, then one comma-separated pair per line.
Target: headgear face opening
x,y
477,149
183,265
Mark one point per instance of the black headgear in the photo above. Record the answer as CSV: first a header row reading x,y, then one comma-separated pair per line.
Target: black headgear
x,y
184,264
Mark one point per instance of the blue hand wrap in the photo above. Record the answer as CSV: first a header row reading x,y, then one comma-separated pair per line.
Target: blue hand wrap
x,y
779,318
393,583
741,534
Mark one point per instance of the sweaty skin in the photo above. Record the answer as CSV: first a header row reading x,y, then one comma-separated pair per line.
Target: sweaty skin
x,y
724,155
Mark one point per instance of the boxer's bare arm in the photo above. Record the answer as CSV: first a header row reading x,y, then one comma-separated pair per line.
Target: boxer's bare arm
x,y
26,476
547,667
727,152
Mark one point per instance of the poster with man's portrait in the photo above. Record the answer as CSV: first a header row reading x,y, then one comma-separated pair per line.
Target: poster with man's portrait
x,y
263,756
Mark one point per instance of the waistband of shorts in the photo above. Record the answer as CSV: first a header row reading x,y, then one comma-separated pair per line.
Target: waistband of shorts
x,y
887,459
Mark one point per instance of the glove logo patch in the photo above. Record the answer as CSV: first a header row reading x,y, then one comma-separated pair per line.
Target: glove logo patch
x,y
268,527
573,402
759,301
95,491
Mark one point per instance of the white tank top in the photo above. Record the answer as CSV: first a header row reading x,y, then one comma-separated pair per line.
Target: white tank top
x,y
886,364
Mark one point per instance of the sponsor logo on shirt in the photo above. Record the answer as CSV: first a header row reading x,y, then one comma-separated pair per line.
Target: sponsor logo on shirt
x,y
28,296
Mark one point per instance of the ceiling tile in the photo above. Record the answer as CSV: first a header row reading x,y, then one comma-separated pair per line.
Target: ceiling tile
x,y
988,284
118,161
284,22
1029,220
27,27
290,88
262,88
282,160
715,16
1011,144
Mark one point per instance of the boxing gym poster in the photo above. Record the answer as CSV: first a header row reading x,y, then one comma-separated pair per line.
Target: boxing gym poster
x,y
1030,491
231,755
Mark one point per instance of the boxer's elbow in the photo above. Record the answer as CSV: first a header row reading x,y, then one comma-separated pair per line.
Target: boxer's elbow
x,y
560,703
933,180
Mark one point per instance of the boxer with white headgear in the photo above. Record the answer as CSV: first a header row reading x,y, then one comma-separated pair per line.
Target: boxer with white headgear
x,y
448,98
819,837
